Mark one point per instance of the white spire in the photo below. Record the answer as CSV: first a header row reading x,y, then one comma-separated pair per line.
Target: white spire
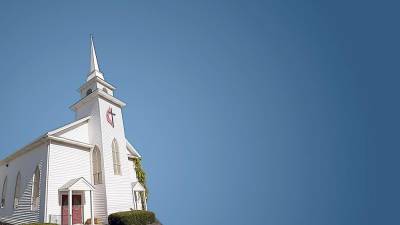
x,y
94,65
93,59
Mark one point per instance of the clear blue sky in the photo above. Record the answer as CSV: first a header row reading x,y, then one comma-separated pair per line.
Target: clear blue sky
x,y
246,112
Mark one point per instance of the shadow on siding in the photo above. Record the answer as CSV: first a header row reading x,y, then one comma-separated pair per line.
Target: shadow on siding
x,y
23,214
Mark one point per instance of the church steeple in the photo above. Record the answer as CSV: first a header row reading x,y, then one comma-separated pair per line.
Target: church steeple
x,y
95,86
93,59
94,65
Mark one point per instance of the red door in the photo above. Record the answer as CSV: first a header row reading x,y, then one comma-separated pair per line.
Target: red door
x,y
76,210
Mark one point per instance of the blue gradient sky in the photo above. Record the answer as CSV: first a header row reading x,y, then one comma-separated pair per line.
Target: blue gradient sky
x,y
246,112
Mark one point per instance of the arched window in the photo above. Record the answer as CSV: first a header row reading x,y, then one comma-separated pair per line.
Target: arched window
x,y
17,192
96,162
116,161
35,189
88,92
4,194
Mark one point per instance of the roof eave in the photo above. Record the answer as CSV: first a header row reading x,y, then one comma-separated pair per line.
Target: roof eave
x,y
42,139
96,93
72,142
96,79
132,149
75,123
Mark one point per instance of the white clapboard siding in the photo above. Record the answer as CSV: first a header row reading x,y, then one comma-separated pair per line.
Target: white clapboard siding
x,y
99,202
118,187
95,137
77,133
25,164
66,163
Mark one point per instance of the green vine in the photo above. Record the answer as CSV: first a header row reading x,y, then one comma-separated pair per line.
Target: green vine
x,y
141,176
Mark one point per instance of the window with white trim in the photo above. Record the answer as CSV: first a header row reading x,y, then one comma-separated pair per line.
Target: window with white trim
x,y
116,160
97,171
35,189
4,194
17,192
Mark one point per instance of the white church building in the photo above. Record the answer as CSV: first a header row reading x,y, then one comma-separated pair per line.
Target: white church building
x,y
79,171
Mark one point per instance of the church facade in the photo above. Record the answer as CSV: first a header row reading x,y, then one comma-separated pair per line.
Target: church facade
x,y
79,171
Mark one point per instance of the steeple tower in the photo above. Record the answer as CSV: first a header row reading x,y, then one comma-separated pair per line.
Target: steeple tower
x,y
94,65
106,132
95,87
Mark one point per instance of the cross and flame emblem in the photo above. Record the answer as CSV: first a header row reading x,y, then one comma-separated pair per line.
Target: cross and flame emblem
x,y
110,116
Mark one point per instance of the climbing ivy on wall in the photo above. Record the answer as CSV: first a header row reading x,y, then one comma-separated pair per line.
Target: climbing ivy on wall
x,y
141,175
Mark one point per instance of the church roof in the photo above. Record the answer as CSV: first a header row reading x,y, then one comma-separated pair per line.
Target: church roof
x,y
132,150
137,186
69,125
79,184
51,135
54,135
42,139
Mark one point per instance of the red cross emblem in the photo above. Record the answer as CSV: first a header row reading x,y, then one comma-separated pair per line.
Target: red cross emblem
x,y
110,116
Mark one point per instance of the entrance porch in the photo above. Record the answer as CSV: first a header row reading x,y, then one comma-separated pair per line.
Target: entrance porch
x,y
139,196
72,195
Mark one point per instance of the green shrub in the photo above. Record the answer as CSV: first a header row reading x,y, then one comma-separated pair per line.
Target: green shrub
x,y
134,217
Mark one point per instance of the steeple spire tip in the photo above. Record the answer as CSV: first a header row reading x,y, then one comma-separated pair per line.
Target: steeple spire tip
x,y
94,65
